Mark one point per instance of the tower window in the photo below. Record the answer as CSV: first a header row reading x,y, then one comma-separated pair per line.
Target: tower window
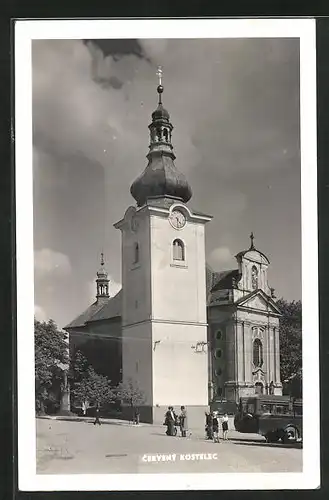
x,y
254,277
218,353
219,391
257,353
165,134
136,253
178,250
218,372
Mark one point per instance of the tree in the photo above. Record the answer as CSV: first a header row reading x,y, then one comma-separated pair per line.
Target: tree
x,y
79,366
291,345
51,354
129,392
92,390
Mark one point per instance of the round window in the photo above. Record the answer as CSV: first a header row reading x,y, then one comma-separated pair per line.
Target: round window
x,y
218,353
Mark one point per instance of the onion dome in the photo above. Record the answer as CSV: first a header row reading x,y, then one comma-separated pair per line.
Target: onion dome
x,y
161,177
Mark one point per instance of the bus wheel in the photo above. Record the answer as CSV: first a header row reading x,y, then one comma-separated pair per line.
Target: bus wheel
x,y
290,434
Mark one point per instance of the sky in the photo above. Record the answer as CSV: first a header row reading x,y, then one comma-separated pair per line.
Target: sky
x,y
234,105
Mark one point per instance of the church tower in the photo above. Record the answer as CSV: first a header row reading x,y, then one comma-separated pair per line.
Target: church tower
x,y
164,319
102,282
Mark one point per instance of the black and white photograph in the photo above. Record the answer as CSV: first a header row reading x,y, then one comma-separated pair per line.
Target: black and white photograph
x,y
167,296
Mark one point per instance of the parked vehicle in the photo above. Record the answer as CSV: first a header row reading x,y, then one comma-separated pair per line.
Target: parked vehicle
x,y
274,417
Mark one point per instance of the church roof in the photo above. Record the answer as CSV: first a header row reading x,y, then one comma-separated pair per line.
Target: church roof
x,y
110,308
226,279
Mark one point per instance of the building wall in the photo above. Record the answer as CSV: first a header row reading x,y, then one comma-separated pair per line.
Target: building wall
x,y
101,345
137,358
180,370
178,288
136,277
240,327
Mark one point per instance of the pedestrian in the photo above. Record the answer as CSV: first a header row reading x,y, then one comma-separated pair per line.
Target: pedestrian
x,y
136,419
215,427
183,421
97,421
225,426
170,420
209,428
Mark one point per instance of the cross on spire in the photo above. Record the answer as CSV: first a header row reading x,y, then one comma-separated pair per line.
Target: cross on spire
x,y
252,237
159,74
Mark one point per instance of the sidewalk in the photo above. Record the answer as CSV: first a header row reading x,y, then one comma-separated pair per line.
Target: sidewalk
x,y
90,420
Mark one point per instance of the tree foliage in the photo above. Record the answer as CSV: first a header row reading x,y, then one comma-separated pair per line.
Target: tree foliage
x,y
290,340
51,356
129,392
91,389
79,366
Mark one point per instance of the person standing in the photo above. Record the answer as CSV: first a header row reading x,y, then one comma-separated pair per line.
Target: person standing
x,y
170,419
136,416
97,421
215,427
225,426
183,421
209,429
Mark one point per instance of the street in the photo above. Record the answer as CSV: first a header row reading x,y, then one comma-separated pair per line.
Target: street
x,y
79,447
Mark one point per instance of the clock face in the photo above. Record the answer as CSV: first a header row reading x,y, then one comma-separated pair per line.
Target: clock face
x,y
134,224
177,219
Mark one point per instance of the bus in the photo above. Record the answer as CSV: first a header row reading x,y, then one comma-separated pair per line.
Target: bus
x,y
277,418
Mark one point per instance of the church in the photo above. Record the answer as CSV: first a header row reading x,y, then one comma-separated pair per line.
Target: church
x,y
182,332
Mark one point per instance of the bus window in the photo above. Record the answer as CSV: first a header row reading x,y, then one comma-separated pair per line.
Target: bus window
x,y
250,408
266,408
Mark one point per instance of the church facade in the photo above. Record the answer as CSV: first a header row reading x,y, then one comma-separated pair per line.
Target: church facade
x,y
183,333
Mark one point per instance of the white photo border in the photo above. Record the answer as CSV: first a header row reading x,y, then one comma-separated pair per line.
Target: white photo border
x,y
25,32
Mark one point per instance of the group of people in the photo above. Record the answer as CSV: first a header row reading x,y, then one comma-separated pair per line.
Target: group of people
x,y
213,422
172,421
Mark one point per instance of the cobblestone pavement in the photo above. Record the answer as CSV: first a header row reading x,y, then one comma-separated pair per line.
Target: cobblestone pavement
x,y
71,447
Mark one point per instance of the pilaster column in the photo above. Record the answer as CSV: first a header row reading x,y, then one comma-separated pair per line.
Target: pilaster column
x,y
277,356
240,350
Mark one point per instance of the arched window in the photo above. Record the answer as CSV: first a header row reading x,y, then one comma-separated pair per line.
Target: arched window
x,y
257,353
218,353
165,134
178,250
158,134
219,391
136,253
254,277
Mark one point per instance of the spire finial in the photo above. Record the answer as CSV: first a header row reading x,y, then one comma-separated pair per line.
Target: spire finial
x,y
252,237
159,73
160,87
102,259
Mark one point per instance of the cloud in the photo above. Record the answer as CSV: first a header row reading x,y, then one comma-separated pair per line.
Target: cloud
x,y
234,105
40,314
221,257
47,262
